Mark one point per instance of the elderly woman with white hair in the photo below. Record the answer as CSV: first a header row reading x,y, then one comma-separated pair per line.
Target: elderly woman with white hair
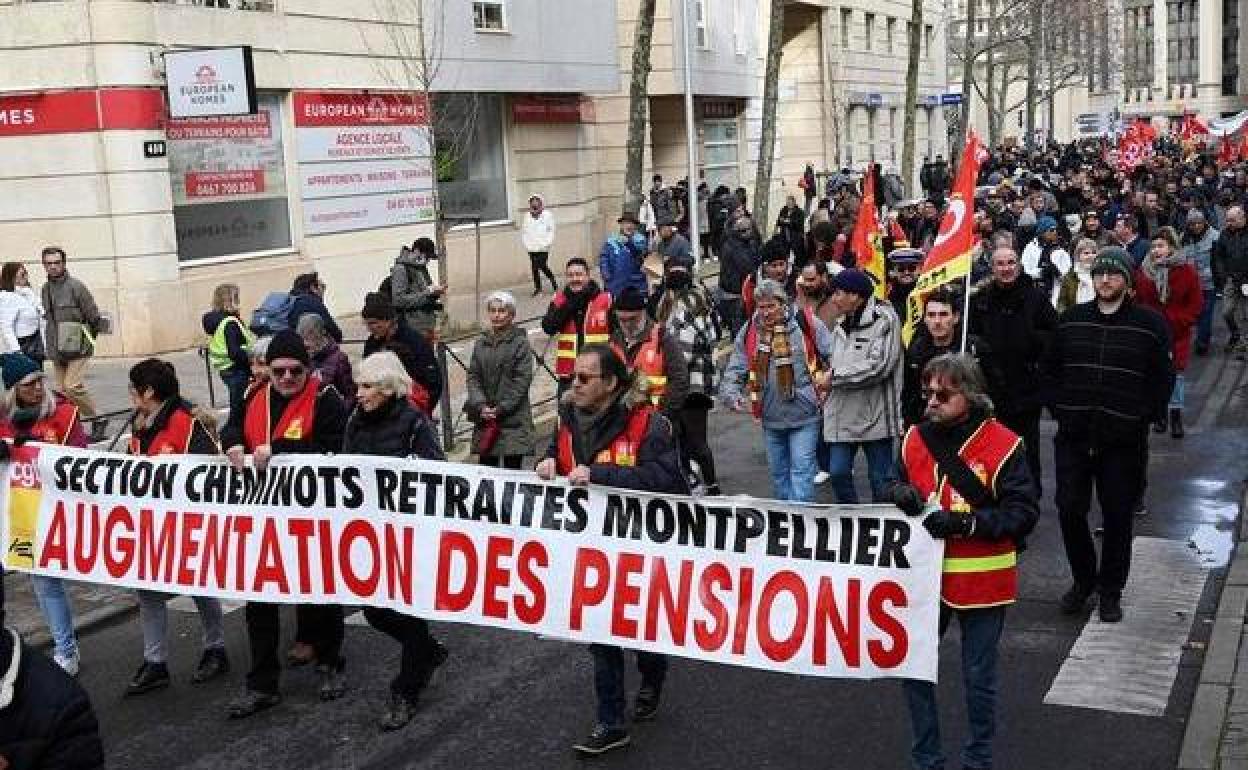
x,y
499,376
385,423
33,411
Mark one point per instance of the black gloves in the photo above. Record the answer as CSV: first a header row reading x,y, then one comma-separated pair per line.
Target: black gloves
x,y
907,498
942,524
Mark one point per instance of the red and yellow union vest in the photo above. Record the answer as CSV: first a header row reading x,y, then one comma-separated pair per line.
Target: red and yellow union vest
x,y
806,322
596,331
56,428
621,451
173,439
977,572
648,359
295,423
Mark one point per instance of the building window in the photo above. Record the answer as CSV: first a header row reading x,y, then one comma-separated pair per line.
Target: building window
x,y
469,155
871,116
868,27
229,183
890,34
487,16
702,37
892,134
721,153
847,18
927,41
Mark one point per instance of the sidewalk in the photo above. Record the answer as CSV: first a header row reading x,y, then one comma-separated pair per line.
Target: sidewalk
x,y
1217,727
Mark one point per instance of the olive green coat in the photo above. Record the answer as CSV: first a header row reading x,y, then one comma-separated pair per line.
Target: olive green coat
x,y
499,374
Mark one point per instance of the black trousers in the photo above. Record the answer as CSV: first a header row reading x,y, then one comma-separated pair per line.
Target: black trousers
x,y
693,440
1027,426
1117,472
507,461
321,624
417,643
537,262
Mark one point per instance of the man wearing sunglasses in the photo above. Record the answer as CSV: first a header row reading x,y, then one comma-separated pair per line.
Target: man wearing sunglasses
x,y
609,434
293,413
967,475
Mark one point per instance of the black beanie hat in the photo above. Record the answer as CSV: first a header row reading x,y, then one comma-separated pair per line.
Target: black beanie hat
x,y
287,344
630,299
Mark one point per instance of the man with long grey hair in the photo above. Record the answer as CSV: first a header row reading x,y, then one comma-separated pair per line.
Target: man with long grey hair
x,y
968,478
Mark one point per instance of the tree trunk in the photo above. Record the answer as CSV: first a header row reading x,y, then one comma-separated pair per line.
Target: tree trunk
x,y
1036,34
915,42
638,104
990,89
767,142
968,78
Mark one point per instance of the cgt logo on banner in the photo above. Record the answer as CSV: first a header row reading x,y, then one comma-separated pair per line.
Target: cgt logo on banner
x,y
836,591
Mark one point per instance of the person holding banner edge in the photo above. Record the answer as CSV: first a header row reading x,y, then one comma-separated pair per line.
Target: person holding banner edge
x,y
610,435
967,475
385,423
165,424
293,413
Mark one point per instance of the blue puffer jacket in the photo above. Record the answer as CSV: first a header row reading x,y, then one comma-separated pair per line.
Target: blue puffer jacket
x,y
620,263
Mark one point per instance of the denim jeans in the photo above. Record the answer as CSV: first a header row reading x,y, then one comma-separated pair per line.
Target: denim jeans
x,y
981,630
609,680
1180,388
791,459
1204,324
236,386
881,467
54,604
154,617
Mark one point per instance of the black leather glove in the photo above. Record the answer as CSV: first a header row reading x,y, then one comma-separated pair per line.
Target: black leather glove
x,y
5,452
907,498
943,524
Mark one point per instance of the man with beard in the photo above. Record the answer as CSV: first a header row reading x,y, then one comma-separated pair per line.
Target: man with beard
x,y
942,319
904,271
576,317
1108,375
1013,322
1093,229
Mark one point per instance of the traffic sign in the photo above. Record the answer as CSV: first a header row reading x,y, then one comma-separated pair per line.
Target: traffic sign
x,y
950,99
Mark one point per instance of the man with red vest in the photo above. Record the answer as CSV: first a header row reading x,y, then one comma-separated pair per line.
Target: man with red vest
x,y
968,476
165,424
610,435
293,413
649,352
576,317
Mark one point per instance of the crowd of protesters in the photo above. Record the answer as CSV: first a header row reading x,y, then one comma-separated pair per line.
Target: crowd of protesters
x,y
1089,289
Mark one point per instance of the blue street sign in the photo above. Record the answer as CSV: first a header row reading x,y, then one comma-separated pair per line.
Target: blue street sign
x,y
948,99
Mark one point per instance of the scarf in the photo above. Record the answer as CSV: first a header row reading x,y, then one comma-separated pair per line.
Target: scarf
x,y
773,343
1159,271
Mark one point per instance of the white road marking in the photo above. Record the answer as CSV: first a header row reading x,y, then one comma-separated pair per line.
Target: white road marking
x,y
1131,666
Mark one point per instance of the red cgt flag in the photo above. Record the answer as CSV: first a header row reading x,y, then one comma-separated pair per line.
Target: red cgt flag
x,y
866,242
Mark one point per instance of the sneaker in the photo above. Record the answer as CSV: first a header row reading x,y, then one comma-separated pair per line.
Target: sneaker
x,y
252,702
822,477
647,703
398,713
1074,601
212,664
333,683
537,292
68,663
149,678
1110,608
1140,509
601,740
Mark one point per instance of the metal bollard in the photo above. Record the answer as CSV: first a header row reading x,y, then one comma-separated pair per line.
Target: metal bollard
x,y
212,391
444,402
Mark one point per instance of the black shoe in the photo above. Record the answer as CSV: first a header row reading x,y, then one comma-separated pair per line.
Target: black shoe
x,y
212,664
1140,509
712,490
1074,601
1176,423
1161,426
99,431
602,740
436,659
1232,344
333,683
1110,608
537,291
647,704
149,678
1202,348
400,711
252,702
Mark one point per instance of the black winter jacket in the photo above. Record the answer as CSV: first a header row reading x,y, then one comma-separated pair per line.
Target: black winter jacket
x,y
395,429
327,426
48,723
203,437
1230,257
416,354
1014,327
1107,377
738,257
922,349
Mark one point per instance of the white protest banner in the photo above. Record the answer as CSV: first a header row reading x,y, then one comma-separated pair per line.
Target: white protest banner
x,y
835,591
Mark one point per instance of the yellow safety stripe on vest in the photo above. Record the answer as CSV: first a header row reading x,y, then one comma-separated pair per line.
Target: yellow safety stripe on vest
x,y
656,379
981,563
561,353
594,339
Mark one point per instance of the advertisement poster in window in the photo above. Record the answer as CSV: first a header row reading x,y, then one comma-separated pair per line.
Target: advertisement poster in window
x,y
229,183
365,160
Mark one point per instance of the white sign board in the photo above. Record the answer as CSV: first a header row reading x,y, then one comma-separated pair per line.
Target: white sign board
x,y
210,81
364,212
343,143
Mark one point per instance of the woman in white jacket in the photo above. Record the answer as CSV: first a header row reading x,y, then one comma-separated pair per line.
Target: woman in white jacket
x,y
21,315
537,233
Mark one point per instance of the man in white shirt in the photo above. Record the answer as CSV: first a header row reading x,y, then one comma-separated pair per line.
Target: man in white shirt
x,y
538,235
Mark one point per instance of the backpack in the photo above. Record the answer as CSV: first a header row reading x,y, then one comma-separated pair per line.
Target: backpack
x,y
273,314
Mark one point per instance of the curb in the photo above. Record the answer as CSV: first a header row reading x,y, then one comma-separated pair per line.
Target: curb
x,y
1222,689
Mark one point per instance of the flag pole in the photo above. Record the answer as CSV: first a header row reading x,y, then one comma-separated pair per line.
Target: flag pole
x,y
966,309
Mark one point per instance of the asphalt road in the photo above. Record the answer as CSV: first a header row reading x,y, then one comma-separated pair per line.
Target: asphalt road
x,y
513,700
